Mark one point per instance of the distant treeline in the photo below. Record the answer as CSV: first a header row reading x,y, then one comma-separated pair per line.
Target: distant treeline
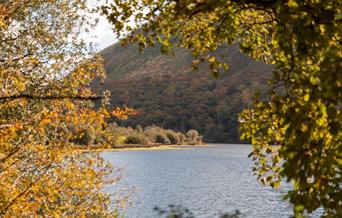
x,y
210,106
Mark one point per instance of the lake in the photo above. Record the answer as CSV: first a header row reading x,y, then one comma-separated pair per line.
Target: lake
x,y
207,180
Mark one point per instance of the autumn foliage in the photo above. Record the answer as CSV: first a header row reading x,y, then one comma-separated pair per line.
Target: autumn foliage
x,y
44,72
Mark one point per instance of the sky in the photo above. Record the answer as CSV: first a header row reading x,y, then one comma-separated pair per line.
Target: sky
x,y
102,35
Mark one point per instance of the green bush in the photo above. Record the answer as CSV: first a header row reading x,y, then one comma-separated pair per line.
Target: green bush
x,y
136,139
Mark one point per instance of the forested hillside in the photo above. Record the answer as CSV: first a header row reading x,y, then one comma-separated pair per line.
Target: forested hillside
x,y
167,92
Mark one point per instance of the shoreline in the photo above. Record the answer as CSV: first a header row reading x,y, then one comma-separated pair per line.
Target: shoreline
x,y
140,147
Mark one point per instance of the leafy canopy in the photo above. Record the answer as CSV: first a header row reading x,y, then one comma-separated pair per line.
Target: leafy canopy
x,y
302,116
44,94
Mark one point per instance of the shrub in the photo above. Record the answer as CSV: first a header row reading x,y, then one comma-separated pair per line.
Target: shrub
x,y
173,137
99,139
151,133
114,134
182,138
193,137
83,136
136,139
139,129
162,138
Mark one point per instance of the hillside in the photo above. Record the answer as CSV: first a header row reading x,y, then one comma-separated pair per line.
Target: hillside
x,y
167,92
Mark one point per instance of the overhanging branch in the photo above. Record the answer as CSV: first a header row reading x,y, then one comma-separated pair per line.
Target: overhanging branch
x,y
210,5
51,97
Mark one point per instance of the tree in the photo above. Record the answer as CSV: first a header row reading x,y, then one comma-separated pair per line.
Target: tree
x,y
302,114
44,75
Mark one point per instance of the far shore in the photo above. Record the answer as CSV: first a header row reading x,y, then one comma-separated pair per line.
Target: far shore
x,y
141,147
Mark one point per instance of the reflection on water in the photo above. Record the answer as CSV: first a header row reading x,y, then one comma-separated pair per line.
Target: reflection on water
x,y
207,180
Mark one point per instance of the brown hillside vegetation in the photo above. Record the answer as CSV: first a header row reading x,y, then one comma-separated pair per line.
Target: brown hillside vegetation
x,y
167,92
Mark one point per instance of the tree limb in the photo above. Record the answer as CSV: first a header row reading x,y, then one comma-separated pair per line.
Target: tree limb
x,y
51,97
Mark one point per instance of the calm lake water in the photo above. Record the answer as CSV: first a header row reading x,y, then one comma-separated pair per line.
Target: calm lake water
x,y
207,180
